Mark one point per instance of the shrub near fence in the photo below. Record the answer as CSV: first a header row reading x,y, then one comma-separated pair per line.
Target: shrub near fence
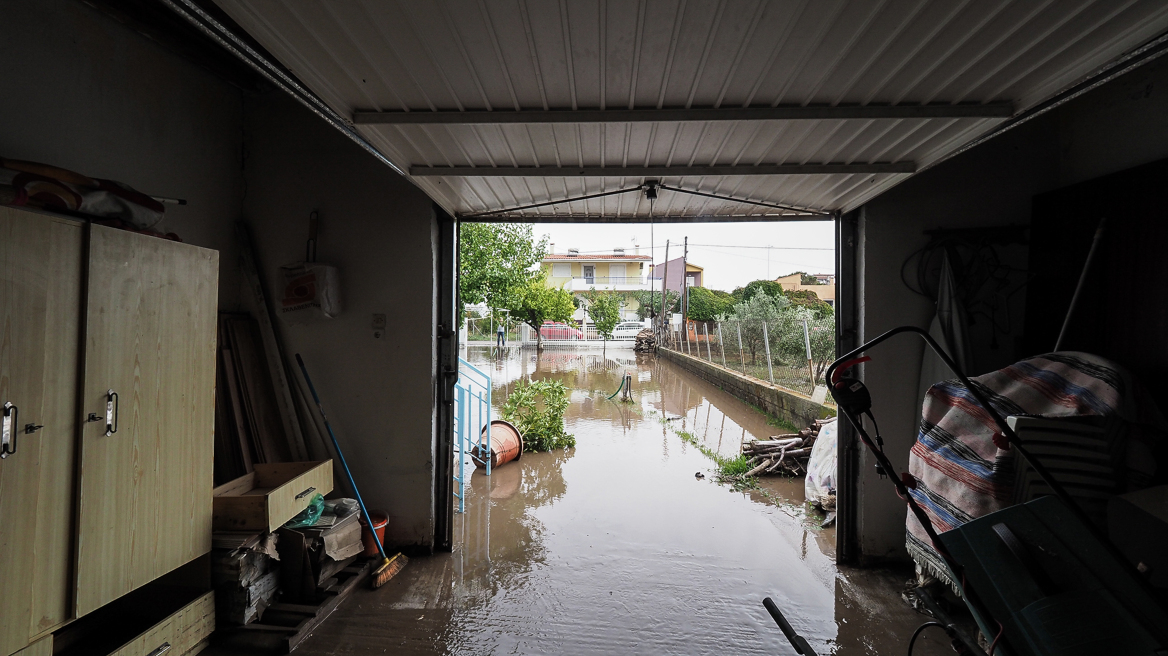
x,y
772,351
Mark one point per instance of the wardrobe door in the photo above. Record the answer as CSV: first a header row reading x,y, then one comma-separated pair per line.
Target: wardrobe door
x,y
40,316
149,397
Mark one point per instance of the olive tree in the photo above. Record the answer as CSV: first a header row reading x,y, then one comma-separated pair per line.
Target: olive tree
x,y
751,315
788,342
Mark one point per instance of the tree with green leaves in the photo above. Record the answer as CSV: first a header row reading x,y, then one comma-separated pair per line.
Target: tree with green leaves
x,y
809,299
752,314
604,308
497,261
707,304
768,287
650,302
789,345
534,303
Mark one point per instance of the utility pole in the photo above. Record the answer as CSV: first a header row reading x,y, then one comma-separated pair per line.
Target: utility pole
x,y
664,291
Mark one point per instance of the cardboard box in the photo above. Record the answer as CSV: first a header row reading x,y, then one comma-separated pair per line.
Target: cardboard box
x,y
310,556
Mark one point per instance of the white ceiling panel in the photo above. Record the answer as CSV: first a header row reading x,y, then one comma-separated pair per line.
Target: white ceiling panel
x,y
439,59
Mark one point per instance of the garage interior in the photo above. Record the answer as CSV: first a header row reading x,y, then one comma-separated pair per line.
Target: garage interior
x,y
1007,129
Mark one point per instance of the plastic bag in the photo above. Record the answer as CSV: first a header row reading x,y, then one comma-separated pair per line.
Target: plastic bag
x,y
310,515
340,507
310,290
819,485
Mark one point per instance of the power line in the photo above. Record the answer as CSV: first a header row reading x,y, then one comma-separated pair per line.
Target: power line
x,y
774,248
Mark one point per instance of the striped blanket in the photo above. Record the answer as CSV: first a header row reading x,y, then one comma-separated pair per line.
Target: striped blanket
x,y
962,475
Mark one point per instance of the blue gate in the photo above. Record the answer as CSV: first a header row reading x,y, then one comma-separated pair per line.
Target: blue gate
x,y
472,413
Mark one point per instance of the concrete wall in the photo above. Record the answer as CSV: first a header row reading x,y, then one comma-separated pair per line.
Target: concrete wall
x,y
377,228
83,92
779,402
1115,127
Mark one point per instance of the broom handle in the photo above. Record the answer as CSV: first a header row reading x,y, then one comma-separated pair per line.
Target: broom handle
x,y
340,455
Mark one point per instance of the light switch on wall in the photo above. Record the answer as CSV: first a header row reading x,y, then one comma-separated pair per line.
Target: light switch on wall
x,y
378,325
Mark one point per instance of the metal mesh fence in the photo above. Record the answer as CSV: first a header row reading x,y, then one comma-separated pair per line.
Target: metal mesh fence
x,y
749,347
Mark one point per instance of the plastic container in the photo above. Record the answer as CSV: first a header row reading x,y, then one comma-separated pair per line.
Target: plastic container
x,y
380,520
506,445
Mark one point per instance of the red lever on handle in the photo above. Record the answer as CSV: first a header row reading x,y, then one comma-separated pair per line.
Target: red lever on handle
x,y
847,364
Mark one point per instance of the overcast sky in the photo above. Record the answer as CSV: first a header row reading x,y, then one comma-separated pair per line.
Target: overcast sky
x,y
732,254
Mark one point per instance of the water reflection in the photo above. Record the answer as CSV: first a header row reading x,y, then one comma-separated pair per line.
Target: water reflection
x,y
616,547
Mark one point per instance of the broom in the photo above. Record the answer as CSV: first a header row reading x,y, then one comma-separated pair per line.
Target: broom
x,y
389,567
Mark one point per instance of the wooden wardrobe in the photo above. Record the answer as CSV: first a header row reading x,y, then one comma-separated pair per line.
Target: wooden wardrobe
x,y
107,382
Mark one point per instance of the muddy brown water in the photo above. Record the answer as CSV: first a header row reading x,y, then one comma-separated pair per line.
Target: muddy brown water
x,y
616,547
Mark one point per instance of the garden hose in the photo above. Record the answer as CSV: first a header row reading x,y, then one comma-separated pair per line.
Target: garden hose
x,y
619,387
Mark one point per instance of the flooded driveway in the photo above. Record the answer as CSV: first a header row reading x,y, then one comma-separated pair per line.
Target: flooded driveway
x,y
616,547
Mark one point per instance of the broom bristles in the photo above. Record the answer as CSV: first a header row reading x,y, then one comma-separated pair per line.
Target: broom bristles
x,y
388,569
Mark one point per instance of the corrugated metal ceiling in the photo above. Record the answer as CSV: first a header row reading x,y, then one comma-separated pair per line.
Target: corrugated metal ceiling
x,y
544,56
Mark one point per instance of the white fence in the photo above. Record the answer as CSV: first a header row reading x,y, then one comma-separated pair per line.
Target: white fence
x,y
570,336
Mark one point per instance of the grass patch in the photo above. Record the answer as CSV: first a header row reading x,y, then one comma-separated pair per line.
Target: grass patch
x,y
730,470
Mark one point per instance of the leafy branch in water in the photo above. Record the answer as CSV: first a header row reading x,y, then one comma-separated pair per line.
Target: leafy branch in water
x,y
732,472
537,410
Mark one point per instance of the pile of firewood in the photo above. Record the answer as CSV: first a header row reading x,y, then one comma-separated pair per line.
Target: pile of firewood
x,y
782,454
646,342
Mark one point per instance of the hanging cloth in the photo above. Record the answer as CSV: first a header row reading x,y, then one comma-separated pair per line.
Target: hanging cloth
x,y
949,330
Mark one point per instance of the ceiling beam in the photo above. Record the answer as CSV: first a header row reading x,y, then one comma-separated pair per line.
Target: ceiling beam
x,y
668,115
644,218
658,171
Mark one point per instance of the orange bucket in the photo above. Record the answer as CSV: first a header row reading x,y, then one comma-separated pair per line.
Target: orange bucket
x,y
380,520
506,445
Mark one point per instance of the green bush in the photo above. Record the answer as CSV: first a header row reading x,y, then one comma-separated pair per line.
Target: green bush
x,y
809,299
768,287
537,410
707,304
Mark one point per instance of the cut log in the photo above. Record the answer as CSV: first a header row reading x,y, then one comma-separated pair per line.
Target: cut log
x,y
775,444
778,463
764,465
797,453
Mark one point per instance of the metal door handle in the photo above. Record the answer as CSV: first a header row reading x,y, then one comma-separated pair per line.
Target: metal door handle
x,y
111,414
160,650
8,430
306,493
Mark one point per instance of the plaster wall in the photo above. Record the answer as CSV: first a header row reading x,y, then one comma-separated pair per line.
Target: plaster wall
x,y
1115,127
672,272
378,229
84,93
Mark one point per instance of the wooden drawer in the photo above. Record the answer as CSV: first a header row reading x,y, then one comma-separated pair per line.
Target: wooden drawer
x,y
183,633
42,647
269,496
158,618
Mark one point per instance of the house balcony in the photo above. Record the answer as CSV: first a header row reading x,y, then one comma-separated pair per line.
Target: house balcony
x,y
601,283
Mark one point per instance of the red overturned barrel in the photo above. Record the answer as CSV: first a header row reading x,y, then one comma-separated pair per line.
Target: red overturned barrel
x,y
506,445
